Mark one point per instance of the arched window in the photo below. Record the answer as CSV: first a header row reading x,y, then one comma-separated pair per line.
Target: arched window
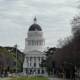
x,y
27,59
38,71
37,42
39,58
40,42
35,59
32,42
42,71
42,58
28,42
30,58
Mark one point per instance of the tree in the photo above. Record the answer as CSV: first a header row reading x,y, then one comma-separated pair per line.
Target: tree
x,y
69,53
8,59
49,63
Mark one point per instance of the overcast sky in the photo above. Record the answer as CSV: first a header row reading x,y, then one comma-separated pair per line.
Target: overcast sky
x,y
54,16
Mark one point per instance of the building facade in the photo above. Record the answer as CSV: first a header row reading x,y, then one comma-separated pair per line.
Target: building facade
x,y
34,47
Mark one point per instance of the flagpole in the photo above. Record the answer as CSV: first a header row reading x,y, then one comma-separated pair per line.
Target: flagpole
x,y
16,58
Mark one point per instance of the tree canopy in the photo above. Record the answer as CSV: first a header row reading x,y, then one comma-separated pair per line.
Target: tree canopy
x,y
8,58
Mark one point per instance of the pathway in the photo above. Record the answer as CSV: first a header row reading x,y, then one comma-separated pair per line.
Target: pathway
x,y
56,79
4,78
49,79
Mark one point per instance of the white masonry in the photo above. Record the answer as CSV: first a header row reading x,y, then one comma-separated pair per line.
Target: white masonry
x,y
34,50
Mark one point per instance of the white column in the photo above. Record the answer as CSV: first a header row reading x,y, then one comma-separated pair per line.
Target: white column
x,y
40,71
28,61
38,61
32,61
36,71
24,71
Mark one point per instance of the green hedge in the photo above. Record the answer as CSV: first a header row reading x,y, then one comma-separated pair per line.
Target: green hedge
x,y
30,78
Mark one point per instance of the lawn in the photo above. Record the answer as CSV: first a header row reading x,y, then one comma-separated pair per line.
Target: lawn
x,y
30,78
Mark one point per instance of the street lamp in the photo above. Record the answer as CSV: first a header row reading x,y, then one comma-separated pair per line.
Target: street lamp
x,y
16,56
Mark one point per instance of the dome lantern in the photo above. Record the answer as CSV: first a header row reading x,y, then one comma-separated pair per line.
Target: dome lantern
x,y
35,20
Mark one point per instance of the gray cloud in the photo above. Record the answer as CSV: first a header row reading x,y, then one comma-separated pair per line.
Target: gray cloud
x,y
53,15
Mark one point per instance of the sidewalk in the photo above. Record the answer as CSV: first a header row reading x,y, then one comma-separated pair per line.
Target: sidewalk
x,y
4,78
56,79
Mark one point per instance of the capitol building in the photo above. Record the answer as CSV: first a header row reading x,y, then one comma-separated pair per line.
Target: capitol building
x,y
34,50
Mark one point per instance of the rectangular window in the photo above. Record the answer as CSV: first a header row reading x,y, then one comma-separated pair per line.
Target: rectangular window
x,y
34,64
30,64
35,59
38,71
39,59
30,59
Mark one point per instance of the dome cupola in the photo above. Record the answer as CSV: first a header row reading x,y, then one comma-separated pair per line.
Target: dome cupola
x,y
35,26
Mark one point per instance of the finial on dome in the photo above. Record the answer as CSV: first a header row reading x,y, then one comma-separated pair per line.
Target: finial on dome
x,y
35,20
